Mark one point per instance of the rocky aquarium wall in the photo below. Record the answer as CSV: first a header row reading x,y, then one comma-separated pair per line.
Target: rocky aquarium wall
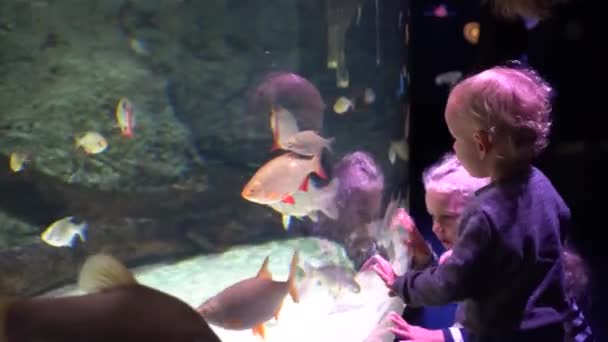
x,y
145,120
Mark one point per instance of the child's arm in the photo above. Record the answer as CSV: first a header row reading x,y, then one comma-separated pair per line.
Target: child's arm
x,y
459,276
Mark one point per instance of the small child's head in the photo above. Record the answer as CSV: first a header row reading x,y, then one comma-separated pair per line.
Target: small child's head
x,y
448,189
500,120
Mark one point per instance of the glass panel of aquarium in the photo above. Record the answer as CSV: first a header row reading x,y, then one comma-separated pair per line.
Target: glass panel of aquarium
x,y
201,170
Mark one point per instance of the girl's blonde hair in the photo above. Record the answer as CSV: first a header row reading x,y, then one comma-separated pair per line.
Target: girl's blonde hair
x,y
449,176
512,105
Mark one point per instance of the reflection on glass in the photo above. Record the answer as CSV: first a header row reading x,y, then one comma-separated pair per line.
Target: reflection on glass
x,y
340,14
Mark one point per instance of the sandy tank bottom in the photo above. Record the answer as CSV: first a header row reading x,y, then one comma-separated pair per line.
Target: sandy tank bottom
x,y
320,315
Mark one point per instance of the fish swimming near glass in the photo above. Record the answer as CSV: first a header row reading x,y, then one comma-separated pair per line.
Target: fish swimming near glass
x,y
91,142
17,161
249,303
115,308
279,178
125,117
63,232
308,143
333,277
310,203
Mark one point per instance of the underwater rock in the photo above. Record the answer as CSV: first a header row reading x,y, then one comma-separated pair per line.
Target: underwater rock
x,y
221,58
74,91
135,226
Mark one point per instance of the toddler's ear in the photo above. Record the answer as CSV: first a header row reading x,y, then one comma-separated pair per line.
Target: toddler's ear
x,y
482,143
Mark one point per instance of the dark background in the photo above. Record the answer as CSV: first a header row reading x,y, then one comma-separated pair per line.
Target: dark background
x,y
560,49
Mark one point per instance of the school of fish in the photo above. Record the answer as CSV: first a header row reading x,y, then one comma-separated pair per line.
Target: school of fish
x,y
285,183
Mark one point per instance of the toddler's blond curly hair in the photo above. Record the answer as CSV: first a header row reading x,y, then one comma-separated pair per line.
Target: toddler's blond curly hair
x,y
513,105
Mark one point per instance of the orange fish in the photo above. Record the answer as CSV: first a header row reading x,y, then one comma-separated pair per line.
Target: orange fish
x,y
115,308
280,177
249,303
283,125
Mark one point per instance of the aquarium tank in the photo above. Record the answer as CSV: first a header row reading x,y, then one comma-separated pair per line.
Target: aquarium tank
x,y
206,146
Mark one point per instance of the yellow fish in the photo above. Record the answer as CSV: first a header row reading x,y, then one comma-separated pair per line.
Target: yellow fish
x,y
91,142
62,232
249,303
343,105
125,117
17,161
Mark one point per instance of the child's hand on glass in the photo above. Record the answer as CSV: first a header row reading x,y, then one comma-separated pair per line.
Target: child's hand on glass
x,y
406,332
418,248
383,268
445,256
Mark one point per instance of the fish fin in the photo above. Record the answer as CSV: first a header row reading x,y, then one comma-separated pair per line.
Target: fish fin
x,y
102,272
308,268
304,185
327,200
329,142
288,199
277,311
81,231
273,123
286,220
275,145
314,216
291,281
316,160
274,127
260,331
392,155
76,142
263,272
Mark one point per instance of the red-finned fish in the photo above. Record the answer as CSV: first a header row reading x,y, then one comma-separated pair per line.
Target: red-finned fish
x,y
114,308
249,303
309,203
280,177
308,143
125,117
283,125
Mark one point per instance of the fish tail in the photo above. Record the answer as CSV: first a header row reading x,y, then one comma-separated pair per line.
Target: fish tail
x,y
330,142
102,272
327,199
291,281
275,144
274,127
308,268
318,167
5,305
82,232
